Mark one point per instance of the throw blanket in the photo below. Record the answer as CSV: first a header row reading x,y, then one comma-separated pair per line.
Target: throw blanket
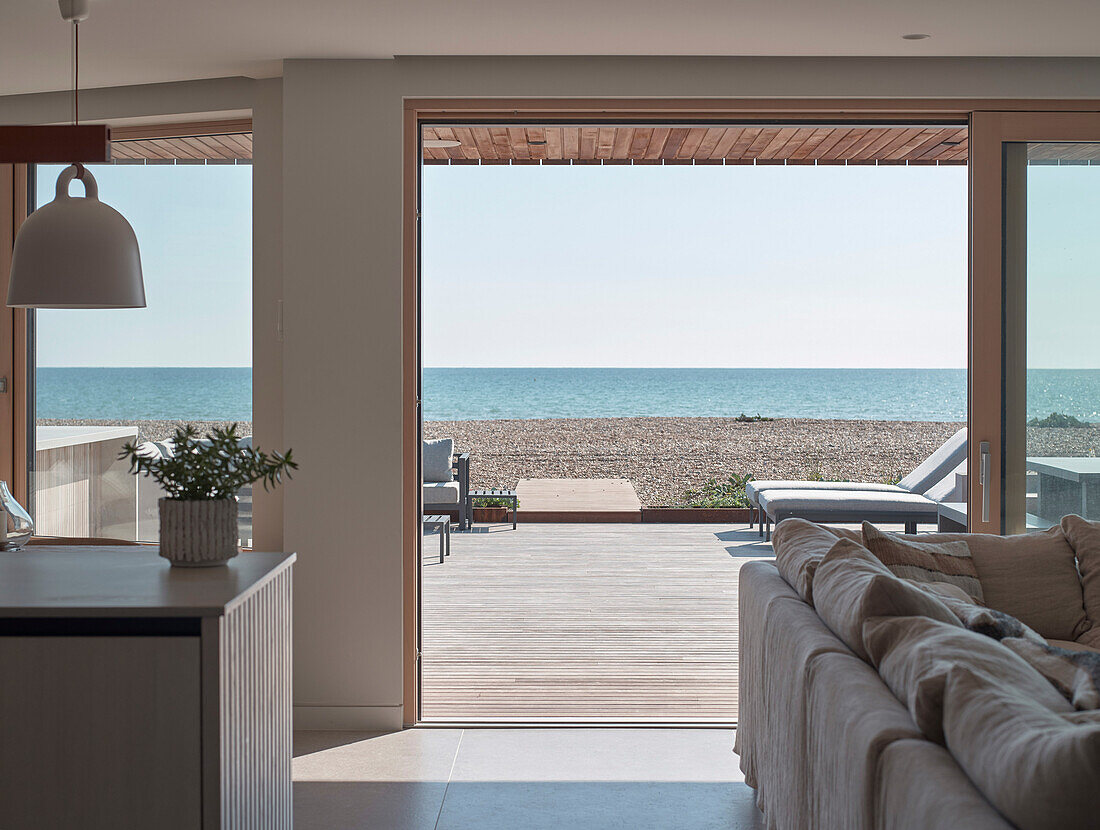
x,y
1076,674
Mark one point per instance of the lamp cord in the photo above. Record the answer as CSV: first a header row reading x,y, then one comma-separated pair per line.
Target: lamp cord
x,y
76,73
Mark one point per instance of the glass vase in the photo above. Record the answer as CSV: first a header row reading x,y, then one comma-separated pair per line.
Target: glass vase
x,y
17,525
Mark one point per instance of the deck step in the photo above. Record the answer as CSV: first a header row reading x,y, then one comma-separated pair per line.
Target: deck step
x,y
578,499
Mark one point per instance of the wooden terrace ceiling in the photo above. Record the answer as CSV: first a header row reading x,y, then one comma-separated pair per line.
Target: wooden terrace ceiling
x,y
699,145
226,148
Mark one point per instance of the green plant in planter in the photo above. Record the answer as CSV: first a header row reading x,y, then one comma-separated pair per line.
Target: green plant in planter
x,y
494,502
209,469
717,494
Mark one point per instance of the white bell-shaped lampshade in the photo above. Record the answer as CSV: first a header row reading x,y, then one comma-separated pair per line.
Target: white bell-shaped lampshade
x,y
76,253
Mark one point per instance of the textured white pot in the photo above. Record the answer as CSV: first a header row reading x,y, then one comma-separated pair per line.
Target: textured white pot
x,y
198,534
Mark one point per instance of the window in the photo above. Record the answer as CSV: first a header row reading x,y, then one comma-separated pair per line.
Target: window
x,y
103,378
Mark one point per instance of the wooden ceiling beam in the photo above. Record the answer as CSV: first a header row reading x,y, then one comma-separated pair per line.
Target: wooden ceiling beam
x,y
88,143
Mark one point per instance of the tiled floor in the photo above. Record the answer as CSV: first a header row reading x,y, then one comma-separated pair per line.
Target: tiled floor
x,y
535,779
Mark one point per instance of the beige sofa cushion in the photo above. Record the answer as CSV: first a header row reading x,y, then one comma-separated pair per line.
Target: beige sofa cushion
x,y
1070,645
1084,536
914,656
920,787
799,548
1032,577
1038,765
943,562
851,585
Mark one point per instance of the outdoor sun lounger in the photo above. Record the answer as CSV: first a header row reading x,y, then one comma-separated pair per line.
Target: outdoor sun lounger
x,y
843,506
928,474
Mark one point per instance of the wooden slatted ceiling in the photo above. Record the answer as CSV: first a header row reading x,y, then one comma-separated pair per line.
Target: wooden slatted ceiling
x,y
228,147
1053,153
700,145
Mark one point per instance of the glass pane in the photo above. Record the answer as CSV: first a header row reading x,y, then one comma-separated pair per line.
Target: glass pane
x,y
1060,281
107,377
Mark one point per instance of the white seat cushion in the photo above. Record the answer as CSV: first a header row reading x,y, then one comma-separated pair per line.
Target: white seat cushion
x,y
441,492
845,501
754,488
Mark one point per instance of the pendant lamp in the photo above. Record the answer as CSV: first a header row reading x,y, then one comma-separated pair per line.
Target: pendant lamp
x,y
76,251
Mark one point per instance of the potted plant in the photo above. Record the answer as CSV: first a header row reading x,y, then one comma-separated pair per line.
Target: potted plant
x,y
490,510
201,478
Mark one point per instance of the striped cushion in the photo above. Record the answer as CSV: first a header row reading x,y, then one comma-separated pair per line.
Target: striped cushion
x,y
948,562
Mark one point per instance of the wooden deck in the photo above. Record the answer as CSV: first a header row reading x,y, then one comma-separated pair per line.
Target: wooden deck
x,y
575,622
577,494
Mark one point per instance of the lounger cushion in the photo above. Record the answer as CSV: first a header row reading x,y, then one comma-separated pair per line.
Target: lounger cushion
x,y
935,468
437,459
753,488
845,505
438,493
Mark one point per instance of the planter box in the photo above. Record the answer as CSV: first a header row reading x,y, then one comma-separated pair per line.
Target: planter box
x,y
695,515
491,515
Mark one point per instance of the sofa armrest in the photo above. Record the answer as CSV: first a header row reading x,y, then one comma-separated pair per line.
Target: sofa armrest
x,y
462,474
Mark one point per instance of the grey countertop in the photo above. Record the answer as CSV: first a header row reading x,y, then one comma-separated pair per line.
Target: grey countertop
x,y
125,581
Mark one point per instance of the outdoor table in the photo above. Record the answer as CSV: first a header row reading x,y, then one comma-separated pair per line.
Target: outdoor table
x,y
509,495
1067,485
442,524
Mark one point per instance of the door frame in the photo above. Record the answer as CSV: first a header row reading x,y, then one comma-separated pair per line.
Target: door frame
x,y
613,110
995,320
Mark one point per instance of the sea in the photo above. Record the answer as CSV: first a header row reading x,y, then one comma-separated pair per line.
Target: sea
x,y
151,393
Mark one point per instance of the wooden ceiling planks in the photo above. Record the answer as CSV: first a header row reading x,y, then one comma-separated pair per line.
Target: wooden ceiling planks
x,y
1064,153
195,149
610,144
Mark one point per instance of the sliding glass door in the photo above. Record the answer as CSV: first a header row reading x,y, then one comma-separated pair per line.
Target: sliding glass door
x,y
1035,357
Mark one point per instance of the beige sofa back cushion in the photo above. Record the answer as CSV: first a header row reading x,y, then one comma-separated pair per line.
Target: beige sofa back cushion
x,y
1040,767
1084,536
799,548
914,656
1032,577
851,586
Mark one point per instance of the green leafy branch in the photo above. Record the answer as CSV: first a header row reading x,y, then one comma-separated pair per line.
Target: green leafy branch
x,y
210,468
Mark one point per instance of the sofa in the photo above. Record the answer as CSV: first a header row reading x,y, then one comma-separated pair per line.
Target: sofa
x,y
854,715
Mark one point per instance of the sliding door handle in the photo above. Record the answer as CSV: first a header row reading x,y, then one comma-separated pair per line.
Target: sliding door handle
x,y
983,479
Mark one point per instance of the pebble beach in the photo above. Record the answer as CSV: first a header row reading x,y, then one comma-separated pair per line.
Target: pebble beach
x,y
664,457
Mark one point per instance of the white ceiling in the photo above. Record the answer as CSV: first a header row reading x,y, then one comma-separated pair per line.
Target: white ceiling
x,y
146,41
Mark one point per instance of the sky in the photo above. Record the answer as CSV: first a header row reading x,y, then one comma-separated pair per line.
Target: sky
x,y
647,266
700,266
1063,267
194,230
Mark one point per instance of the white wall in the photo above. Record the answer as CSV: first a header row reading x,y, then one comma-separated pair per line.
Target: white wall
x,y
328,234
342,257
